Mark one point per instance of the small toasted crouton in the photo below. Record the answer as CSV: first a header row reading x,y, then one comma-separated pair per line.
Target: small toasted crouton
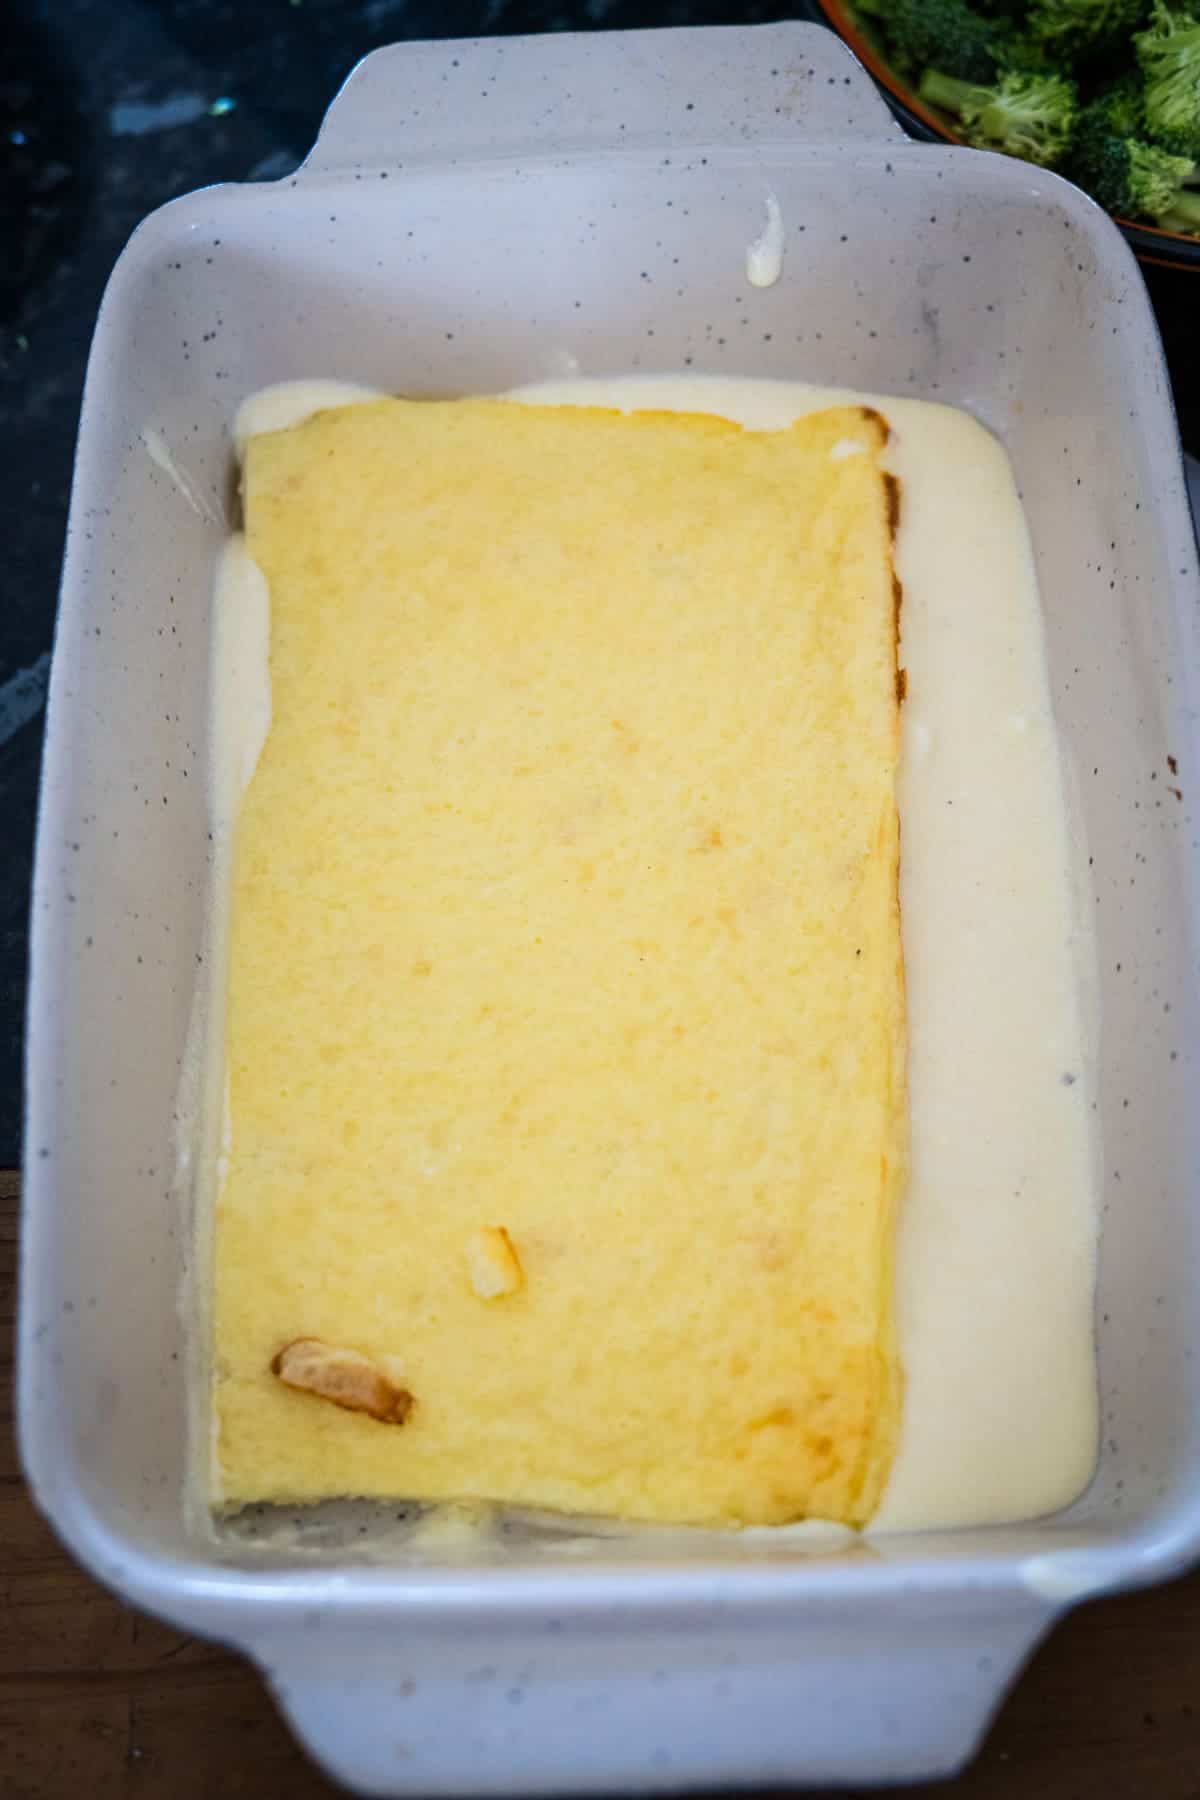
x,y
345,1377
493,1264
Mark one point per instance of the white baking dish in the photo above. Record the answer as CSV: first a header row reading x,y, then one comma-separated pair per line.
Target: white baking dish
x,y
477,215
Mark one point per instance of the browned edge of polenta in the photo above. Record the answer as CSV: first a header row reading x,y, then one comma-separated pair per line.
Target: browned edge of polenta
x,y
893,498
874,417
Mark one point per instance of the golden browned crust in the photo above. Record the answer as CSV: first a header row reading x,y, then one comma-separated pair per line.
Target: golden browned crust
x,y
891,488
344,1377
873,417
493,1264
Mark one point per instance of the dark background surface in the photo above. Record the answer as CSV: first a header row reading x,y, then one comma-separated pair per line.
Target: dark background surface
x,y
107,109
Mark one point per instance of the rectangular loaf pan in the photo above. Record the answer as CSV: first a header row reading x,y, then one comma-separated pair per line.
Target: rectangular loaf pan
x,y
477,215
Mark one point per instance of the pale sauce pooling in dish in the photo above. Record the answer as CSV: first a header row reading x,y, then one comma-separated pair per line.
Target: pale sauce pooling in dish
x,y
996,1241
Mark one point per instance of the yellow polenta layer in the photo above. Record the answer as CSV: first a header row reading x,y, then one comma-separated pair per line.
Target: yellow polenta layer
x,y
566,902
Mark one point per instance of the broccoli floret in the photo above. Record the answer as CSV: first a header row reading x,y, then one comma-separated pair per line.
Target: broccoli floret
x,y
920,32
1025,115
1169,55
1118,111
1068,32
1130,177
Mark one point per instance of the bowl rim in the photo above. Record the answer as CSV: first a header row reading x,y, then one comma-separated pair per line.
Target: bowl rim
x,y
1165,249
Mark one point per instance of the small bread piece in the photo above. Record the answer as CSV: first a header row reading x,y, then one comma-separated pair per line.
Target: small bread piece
x,y
345,1377
493,1264
565,894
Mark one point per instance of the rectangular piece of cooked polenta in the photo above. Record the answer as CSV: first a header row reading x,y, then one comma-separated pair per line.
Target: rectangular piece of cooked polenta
x,y
566,1026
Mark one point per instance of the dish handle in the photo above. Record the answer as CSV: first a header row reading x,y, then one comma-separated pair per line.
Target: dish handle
x,y
894,1688
566,92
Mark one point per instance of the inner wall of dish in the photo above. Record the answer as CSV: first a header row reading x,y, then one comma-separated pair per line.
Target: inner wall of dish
x,y
901,273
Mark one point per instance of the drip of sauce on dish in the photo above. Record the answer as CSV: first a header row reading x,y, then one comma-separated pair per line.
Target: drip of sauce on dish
x,y
764,258
159,451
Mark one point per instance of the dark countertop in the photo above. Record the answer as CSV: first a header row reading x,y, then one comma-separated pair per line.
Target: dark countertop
x,y
109,109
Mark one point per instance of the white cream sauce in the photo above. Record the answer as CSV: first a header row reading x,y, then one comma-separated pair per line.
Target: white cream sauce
x,y
290,402
243,694
240,718
764,258
996,1241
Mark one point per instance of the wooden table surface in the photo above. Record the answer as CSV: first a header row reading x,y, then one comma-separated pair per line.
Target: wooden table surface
x,y
98,1702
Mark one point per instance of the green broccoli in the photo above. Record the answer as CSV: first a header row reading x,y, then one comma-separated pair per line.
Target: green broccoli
x,y
1027,115
1130,177
1118,110
948,31
1169,55
1067,32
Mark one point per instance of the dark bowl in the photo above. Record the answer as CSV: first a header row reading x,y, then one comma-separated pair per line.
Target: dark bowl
x,y
1161,249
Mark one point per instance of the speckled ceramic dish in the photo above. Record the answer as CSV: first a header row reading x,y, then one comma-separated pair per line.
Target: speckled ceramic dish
x,y
474,216
1166,249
